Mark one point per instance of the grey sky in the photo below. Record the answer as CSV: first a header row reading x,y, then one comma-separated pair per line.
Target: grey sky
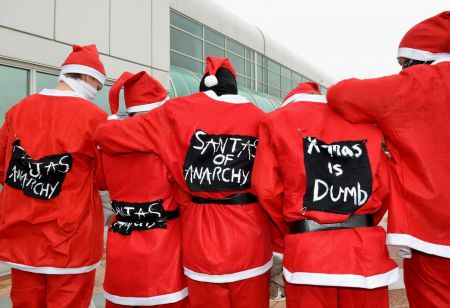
x,y
346,38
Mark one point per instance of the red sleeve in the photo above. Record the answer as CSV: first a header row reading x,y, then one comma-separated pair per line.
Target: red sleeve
x,y
148,132
3,147
369,100
268,184
100,182
383,190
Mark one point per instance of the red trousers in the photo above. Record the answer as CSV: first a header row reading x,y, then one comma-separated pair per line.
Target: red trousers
x,y
30,290
184,303
427,280
308,296
247,293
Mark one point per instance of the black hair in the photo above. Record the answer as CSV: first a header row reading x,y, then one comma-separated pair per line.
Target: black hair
x,y
226,83
412,62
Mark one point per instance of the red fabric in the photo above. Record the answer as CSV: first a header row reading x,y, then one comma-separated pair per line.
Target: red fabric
x,y
181,304
247,293
413,111
139,89
66,231
432,35
144,263
306,296
304,87
280,180
87,56
214,236
30,290
214,63
427,280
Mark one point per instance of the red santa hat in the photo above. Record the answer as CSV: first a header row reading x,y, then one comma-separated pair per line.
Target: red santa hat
x,y
85,60
429,40
302,93
141,91
212,65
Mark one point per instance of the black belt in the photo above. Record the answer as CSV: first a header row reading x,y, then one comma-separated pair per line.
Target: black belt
x,y
236,199
309,225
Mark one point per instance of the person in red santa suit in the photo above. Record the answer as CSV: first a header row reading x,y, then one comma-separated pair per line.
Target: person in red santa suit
x,y
324,183
208,142
51,218
412,109
143,251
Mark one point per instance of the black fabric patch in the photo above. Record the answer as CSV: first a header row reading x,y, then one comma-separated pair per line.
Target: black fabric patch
x,y
219,162
338,175
42,178
138,216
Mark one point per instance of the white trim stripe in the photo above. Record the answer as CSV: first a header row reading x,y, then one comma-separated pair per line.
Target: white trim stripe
x,y
52,270
441,60
227,98
343,280
147,301
225,278
147,107
83,69
54,92
397,239
304,97
421,55
278,255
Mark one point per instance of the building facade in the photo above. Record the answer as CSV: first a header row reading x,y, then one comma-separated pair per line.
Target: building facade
x,y
168,39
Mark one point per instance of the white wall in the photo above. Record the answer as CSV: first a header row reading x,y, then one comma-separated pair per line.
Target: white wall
x,y
131,35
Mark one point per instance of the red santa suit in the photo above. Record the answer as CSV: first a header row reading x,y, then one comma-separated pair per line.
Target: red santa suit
x,y
323,181
412,109
208,143
51,217
143,251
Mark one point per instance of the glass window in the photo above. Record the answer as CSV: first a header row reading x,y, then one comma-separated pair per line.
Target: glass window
x,y
323,90
294,84
185,62
249,54
248,69
211,50
259,59
102,99
241,81
236,48
259,71
237,62
274,92
297,77
304,79
285,84
286,72
45,81
13,87
185,24
274,79
214,38
284,94
186,43
260,86
273,66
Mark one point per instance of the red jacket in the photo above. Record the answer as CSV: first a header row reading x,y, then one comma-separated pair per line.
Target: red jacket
x,y
413,111
51,217
208,144
312,164
144,267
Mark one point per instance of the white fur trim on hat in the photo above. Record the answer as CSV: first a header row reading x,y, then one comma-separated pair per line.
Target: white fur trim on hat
x,y
146,107
83,69
420,55
211,81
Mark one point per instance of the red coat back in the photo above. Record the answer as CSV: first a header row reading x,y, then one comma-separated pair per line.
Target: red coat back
x,y
42,229
413,111
145,266
221,243
312,164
